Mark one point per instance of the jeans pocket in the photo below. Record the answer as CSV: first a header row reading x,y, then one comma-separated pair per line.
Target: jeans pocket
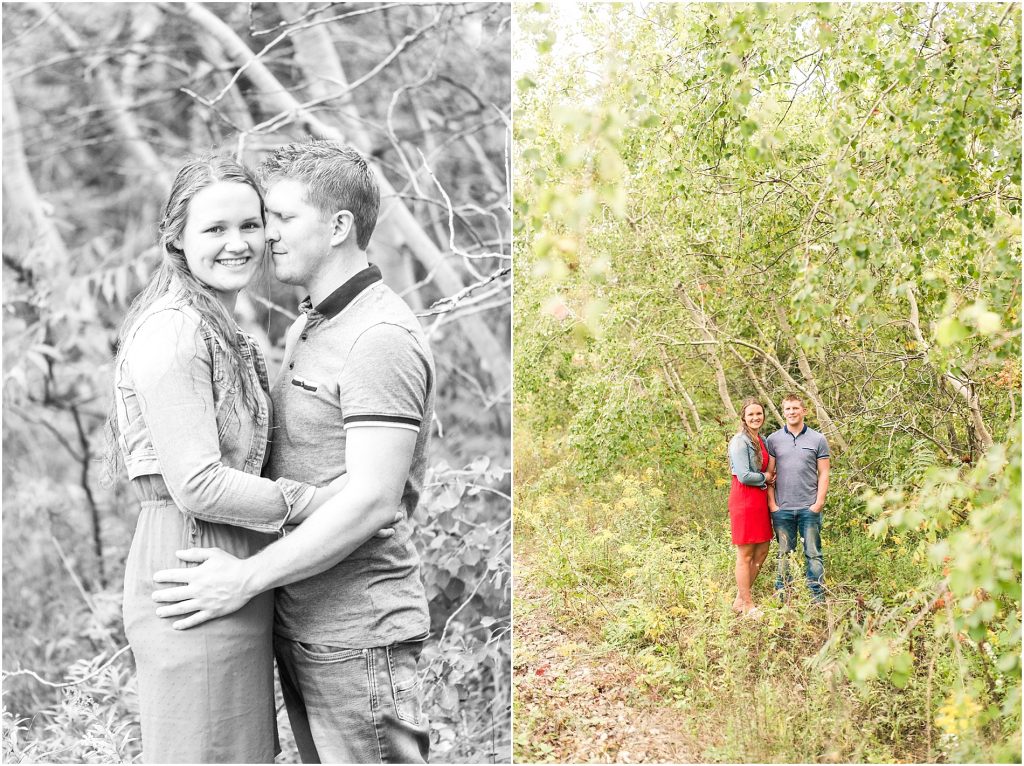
x,y
327,654
406,686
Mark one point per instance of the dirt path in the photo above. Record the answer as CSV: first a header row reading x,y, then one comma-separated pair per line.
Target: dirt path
x,y
575,702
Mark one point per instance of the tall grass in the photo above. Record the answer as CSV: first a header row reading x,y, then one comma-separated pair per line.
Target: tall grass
x,y
650,574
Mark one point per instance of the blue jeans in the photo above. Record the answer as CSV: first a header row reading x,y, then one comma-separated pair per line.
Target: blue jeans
x,y
786,524
354,705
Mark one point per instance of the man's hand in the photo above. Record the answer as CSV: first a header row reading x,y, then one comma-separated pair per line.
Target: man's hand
x,y
772,507
816,507
215,588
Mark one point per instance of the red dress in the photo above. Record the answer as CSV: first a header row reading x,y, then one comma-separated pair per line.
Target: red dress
x,y
748,509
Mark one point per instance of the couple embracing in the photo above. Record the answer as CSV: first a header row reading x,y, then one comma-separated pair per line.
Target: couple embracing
x,y
223,463
778,489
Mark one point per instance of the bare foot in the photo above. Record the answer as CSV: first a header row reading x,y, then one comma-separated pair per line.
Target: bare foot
x,y
737,605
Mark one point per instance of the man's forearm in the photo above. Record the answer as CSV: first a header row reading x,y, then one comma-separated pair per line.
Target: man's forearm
x,y
822,489
341,525
771,496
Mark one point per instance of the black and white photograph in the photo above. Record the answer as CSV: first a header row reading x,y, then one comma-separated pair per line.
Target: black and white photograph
x,y
256,383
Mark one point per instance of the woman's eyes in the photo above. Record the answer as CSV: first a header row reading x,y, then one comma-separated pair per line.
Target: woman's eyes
x,y
248,226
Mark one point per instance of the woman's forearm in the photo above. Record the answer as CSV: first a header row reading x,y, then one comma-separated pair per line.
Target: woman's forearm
x,y
320,496
170,370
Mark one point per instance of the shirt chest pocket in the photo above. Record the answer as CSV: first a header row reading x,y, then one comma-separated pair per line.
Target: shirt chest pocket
x,y
313,403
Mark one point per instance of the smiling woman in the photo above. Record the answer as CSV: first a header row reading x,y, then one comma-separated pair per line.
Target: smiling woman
x,y
223,237
748,503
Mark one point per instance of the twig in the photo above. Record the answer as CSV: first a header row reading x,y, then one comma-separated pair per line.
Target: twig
x,y
32,674
253,32
94,511
492,490
285,34
451,216
61,439
32,28
272,306
272,124
74,576
927,610
313,12
928,709
462,606
445,305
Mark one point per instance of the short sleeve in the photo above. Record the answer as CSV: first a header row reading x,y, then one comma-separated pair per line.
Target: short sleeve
x,y
822,451
385,380
769,445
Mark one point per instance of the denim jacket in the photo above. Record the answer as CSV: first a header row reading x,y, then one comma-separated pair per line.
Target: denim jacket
x,y
178,416
745,461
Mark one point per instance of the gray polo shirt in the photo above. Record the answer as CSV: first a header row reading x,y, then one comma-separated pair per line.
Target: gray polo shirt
x,y
796,466
358,359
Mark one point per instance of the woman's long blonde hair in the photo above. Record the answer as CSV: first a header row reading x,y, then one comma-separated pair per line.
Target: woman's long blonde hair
x,y
751,435
174,273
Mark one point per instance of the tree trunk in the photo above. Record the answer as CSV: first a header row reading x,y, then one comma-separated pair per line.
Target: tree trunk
x,y
964,388
758,386
676,385
316,55
703,325
148,167
827,424
30,235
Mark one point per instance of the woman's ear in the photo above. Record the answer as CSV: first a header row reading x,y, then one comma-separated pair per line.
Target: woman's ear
x,y
342,225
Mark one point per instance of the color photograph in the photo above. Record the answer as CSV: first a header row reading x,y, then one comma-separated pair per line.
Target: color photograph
x,y
767,375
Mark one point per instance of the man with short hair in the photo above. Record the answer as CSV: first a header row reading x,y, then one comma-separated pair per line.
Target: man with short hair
x,y
354,396
799,456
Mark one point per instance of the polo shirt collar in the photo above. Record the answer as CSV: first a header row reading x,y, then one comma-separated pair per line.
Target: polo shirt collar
x,y
336,302
786,429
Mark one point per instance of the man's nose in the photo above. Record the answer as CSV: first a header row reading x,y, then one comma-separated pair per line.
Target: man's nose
x,y
273,235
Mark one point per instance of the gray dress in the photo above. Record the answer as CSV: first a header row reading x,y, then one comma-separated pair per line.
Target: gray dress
x,y
206,695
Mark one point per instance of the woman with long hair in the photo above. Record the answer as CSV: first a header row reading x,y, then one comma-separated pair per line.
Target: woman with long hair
x,y
748,503
191,420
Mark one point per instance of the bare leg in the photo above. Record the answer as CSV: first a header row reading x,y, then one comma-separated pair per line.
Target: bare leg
x,y
760,554
744,562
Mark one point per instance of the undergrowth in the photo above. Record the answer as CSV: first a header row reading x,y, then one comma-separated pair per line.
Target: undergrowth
x,y
652,575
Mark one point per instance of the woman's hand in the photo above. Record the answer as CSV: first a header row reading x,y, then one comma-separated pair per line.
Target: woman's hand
x,y
769,478
390,531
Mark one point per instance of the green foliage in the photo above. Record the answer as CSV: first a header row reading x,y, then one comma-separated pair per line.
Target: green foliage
x,y
823,198
969,523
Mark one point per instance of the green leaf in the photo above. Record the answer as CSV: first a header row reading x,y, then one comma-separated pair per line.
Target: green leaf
x,y
950,330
